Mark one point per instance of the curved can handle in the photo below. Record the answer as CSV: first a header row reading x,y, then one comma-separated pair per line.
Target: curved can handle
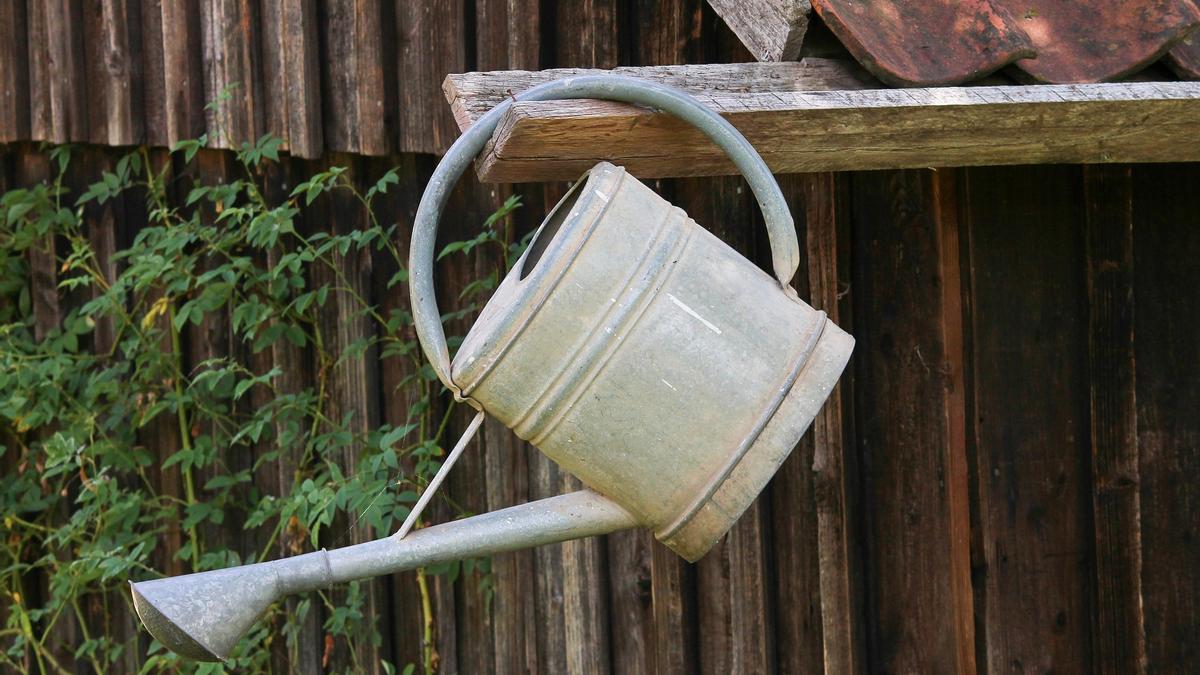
x,y
785,250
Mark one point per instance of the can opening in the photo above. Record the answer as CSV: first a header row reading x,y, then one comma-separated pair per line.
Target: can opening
x,y
550,228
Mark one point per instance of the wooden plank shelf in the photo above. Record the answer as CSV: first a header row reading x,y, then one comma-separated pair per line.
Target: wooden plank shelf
x,y
819,115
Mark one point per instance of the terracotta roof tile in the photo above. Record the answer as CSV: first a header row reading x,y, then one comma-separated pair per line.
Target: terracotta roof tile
x,y
936,42
1184,59
908,43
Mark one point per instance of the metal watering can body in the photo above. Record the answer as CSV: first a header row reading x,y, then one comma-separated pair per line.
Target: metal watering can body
x,y
628,344
651,360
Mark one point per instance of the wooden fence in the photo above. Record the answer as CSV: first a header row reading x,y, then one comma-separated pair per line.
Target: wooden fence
x,y
1005,480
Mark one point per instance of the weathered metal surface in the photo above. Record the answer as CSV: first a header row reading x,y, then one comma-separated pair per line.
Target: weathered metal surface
x,y
1097,42
202,616
651,360
927,43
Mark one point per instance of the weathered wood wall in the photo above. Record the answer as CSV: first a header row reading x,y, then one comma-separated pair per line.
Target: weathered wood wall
x,y
1005,481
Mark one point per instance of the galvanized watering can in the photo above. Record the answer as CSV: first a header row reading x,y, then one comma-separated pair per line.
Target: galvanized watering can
x,y
628,344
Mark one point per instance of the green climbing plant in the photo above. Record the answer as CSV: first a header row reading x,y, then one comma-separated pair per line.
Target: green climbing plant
x,y
81,493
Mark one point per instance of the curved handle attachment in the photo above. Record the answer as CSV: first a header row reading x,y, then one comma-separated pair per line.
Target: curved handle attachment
x,y
785,250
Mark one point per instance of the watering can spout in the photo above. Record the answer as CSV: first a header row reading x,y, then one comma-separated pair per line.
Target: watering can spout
x,y
203,615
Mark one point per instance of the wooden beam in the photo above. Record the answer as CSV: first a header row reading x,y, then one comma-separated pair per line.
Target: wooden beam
x,y
771,29
803,131
473,94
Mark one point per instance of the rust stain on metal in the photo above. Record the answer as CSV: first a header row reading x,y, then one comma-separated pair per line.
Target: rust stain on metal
x,y
1097,42
927,43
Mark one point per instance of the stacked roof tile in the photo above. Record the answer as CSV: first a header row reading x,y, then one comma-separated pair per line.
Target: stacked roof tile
x,y
937,42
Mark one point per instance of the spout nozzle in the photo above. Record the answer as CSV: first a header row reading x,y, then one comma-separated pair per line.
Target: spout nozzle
x,y
173,636
202,616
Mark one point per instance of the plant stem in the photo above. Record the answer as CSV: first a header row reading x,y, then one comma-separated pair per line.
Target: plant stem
x,y
185,431
428,649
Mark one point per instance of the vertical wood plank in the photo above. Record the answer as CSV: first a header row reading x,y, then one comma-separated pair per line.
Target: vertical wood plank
x,y
1119,645
586,34
291,75
232,73
14,73
61,631
57,83
38,55
113,68
507,34
278,477
550,627
794,544
431,35
183,77
154,93
468,482
909,391
274,39
1029,418
676,639
354,81
666,33
1166,278
212,339
33,168
352,383
834,464
399,396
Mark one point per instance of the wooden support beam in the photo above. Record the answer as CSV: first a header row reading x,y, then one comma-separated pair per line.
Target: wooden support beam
x,y
473,94
813,130
771,29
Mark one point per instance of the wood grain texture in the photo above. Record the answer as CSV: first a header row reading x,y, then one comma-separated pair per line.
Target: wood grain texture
x,y
1029,421
430,38
1167,320
153,68
183,76
279,476
1120,637
587,33
352,384
113,68
58,88
852,130
232,73
909,365
301,63
473,94
507,34
14,73
772,30
356,85
834,464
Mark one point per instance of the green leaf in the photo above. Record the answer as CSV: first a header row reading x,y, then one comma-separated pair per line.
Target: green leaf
x,y
18,211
